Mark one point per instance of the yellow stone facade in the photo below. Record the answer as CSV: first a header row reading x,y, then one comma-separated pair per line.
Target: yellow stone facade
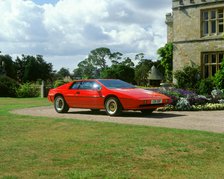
x,y
187,28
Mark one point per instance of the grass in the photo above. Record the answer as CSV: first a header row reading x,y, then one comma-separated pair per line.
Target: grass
x,y
41,147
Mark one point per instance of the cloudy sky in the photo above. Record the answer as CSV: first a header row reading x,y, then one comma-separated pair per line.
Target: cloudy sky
x,y
65,31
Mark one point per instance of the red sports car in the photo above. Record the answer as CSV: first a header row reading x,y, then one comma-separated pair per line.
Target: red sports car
x,y
110,94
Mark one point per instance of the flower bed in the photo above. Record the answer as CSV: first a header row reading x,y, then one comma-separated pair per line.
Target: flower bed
x,y
185,100
205,107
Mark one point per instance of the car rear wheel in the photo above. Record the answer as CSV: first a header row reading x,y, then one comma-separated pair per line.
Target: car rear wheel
x,y
60,105
113,106
147,111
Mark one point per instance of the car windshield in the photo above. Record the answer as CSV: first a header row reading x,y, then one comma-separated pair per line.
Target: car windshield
x,y
116,84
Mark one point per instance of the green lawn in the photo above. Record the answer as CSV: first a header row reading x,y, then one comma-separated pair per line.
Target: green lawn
x,y
40,147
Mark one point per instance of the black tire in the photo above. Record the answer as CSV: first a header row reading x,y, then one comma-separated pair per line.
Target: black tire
x,y
113,106
147,111
60,104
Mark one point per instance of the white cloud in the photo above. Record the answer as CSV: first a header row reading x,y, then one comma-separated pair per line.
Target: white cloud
x,y
71,28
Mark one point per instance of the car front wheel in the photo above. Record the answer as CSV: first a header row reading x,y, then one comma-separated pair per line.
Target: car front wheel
x,y
113,106
60,105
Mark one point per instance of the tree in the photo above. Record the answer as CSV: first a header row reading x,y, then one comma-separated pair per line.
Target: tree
x,y
128,62
31,71
115,57
96,62
139,56
31,68
46,69
86,69
166,57
119,71
77,73
9,67
142,69
108,73
63,72
125,73
20,68
99,56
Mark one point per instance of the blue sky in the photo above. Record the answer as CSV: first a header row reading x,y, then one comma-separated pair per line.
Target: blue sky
x,y
65,31
41,2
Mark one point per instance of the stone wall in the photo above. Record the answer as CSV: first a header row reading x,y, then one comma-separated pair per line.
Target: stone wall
x,y
187,22
185,32
190,3
186,53
169,23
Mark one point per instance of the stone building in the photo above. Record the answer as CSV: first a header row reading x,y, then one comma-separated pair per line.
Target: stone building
x,y
196,28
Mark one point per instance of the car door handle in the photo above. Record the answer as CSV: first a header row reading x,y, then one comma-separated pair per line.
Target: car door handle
x,y
77,92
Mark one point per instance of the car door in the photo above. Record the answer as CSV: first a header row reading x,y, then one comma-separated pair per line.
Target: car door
x,y
89,95
72,93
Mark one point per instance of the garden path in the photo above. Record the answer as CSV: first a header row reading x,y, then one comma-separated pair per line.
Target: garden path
x,y
212,121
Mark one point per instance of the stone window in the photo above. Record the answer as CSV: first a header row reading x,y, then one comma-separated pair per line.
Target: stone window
x,y
181,2
211,63
212,22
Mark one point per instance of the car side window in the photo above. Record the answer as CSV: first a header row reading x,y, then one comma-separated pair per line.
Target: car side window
x,y
75,85
86,85
89,85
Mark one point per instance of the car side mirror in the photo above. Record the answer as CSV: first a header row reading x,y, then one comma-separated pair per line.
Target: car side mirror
x,y
97,87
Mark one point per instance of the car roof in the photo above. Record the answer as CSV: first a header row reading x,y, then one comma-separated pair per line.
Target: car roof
x,y
93,79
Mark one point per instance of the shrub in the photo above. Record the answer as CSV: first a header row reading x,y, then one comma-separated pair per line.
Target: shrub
x,y
59,83
205,86
219,77
217,94
28,90
183,105
190,96
8,87
186,100
197,100
175,94
187,78
208,107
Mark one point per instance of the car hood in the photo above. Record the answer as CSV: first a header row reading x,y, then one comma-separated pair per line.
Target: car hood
x,y
139,93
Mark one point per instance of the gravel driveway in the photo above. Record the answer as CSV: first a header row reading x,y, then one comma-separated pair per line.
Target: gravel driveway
x,y
212,121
